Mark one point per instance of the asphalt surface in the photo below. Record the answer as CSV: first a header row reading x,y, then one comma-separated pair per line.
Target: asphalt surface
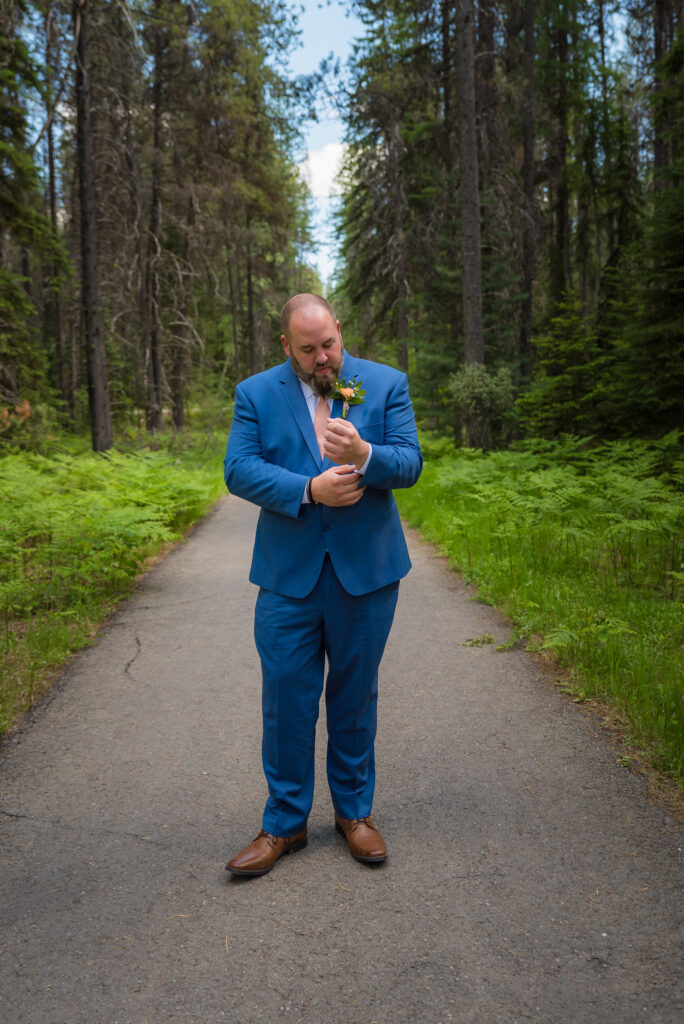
x,y
528,878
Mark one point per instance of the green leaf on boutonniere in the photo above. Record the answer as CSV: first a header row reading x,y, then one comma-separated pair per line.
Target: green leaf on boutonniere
x,y
349,393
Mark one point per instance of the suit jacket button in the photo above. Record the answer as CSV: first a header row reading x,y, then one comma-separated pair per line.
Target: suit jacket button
x,y
326,527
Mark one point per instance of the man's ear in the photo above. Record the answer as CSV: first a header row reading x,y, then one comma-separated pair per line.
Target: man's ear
x,y
286,344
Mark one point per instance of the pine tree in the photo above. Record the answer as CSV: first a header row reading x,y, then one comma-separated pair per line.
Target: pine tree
x,y
27,237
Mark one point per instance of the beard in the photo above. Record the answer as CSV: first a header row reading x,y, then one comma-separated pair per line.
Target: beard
x,y
321,384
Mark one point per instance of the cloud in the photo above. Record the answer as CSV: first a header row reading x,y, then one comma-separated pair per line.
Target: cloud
x,y
320,169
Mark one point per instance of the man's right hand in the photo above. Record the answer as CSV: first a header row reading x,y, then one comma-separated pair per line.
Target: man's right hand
x,y
337,487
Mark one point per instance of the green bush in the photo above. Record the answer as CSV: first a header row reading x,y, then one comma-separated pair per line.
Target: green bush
x,y
485,400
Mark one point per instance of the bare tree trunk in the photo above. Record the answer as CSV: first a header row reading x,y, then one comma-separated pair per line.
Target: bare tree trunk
x,y
560,267
74,363
606,143
153,357
251,325
450,198
178,381
182,342
133,176
235,318
74,318
399,263
484,86
581,200
528,253
661,11
469,188
664,25
56,297
98,386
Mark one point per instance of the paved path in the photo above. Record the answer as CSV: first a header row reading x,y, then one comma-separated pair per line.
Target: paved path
x,y
528,880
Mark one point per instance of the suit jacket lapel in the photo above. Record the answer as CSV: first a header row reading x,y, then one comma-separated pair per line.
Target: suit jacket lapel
x,y
297,403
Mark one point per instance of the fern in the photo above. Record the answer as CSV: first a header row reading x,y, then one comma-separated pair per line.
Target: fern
x,y
583,544
75,530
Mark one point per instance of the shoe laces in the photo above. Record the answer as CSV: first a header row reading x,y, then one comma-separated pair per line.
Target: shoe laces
x,y
271,839
362,821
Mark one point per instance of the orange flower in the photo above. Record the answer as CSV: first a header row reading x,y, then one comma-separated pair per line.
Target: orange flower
x,y
347,392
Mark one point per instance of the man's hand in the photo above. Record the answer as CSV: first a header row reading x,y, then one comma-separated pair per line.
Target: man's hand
x,y
344,444
337,487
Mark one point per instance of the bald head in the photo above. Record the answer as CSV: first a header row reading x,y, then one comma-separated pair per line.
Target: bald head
x,y
313,341
304,302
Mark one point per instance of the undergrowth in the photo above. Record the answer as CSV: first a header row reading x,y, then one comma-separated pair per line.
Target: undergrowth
x,y
582,545
75,529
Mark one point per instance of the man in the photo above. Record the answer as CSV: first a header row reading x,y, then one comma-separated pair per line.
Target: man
x,y
328,556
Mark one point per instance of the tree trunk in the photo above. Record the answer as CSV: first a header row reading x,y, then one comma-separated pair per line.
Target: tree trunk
x,y
585,188
446,88
607,147
399,263
133,177
153,356
178,381
181,342
235,319
660,47
98,386
560,270
449,133
56,297
469,188
528,252
251,325
484,87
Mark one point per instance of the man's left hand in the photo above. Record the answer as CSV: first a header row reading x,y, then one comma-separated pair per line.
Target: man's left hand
x,y
343,444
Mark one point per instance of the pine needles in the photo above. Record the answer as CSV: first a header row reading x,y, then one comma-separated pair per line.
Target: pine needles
x,y
74,532
584,547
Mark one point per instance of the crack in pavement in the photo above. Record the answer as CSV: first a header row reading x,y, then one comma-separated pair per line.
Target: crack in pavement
x,y
136,655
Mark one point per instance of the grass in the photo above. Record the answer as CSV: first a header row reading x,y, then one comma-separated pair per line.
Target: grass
x,y
581,545
76,528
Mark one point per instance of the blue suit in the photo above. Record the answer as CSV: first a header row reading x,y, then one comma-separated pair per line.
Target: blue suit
x,y
328,579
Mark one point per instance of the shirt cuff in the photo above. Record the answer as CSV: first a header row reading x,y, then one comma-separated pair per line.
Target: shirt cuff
x,y
361,471
367,462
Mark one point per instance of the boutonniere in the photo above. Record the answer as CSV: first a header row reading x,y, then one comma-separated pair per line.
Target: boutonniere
x,y
349,392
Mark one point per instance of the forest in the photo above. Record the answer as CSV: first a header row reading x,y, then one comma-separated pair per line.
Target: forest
x,y
510,233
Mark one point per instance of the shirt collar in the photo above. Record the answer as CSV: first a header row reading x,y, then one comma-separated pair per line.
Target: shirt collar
x,y
307,389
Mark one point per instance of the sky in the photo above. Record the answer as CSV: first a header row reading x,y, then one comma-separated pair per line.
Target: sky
x,y
326,27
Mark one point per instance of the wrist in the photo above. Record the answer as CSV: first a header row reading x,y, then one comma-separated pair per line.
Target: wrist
x,y
362,455
310,491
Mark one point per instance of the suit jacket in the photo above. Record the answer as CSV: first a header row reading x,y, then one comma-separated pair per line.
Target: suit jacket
x,y
272,451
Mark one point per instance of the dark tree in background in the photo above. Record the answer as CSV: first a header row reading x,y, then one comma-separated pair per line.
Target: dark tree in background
x,y
473,339
96,357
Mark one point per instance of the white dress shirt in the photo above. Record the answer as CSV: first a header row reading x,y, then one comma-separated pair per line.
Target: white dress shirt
x,y
312,402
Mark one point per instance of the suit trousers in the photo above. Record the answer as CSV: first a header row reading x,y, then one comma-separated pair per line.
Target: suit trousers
x,y
293,637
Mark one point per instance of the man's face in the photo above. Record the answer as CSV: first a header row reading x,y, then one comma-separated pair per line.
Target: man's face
x,y
314,346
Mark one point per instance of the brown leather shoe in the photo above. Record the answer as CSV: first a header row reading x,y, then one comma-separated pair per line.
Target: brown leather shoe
x,y
365,842
262,853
